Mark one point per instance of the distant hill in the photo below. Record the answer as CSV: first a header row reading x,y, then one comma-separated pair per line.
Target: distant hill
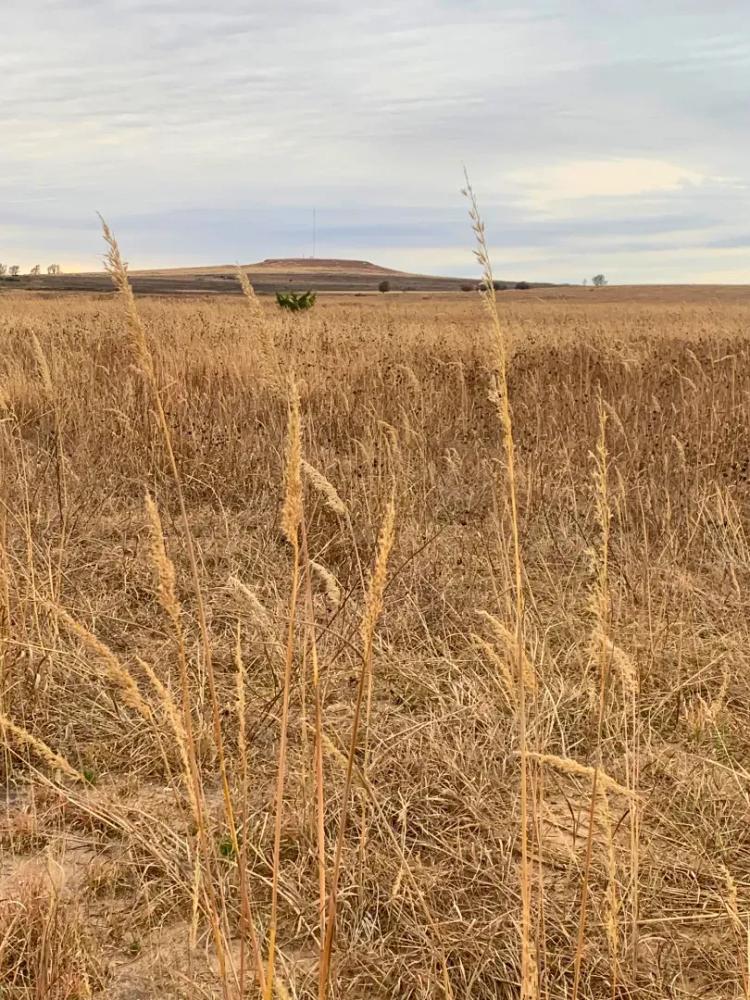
x,y
321,264
289,265
267,277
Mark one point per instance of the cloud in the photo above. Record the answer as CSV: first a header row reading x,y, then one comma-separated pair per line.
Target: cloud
x,y
602,179
208,132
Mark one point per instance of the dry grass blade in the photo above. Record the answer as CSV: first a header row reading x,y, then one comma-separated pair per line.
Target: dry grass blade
x,y
250,601
330,583
163,565
264,344
373,610
117,673
325,489
22,737
566,765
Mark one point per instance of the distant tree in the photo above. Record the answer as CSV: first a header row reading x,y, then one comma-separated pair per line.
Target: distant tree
x,y
599,281
36,269
14,270
3,270
468,288
499,286
384,286
522,286
54,269
585,282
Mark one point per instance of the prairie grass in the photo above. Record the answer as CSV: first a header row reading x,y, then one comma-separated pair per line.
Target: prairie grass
x,y
305,702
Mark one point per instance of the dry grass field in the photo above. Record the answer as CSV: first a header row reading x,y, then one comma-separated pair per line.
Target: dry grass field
x,y
301,679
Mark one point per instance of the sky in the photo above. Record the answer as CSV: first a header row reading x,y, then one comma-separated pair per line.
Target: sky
x,y
599,135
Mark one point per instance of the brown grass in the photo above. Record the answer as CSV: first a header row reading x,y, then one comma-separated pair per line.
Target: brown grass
x,y
268,748
45,946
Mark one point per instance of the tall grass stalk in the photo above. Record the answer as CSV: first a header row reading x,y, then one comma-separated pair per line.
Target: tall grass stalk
x,y
319,732
529,971
118,272
600,605
291,517
240,848
373,610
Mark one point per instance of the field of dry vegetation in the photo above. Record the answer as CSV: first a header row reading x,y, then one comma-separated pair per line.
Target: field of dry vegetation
x,y
277,718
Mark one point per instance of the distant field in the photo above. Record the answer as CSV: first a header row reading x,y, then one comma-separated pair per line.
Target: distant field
x,y
345,278
160,667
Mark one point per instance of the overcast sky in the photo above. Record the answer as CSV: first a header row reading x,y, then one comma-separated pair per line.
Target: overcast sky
x,y
600,135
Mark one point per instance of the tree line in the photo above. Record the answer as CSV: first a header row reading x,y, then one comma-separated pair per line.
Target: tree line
x,y
13,270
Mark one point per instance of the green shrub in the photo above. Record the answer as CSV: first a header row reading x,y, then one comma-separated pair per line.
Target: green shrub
x,y
296,301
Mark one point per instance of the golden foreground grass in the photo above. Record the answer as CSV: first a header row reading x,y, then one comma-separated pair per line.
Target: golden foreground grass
x,y
268,704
